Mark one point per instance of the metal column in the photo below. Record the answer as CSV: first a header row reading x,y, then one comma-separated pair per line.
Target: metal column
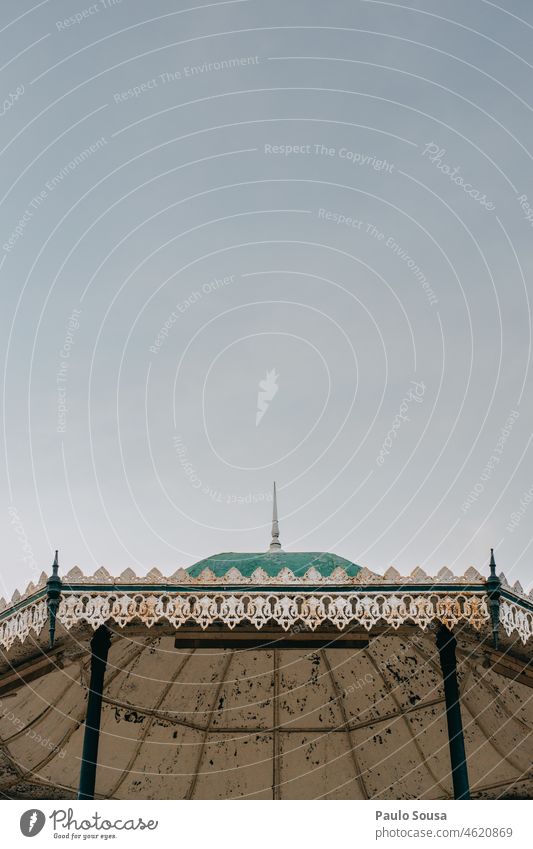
x,y
99,650
446,644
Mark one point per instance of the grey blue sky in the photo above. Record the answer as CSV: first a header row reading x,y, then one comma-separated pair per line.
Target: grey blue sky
x,y
257,240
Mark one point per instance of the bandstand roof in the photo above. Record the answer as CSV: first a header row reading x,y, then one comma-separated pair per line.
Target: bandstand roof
x,y
232,680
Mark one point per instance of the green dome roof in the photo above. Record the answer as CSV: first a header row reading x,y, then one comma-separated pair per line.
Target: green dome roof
x,y
272,562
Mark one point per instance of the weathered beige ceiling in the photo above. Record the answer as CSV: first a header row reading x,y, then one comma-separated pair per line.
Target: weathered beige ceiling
x,y
263,724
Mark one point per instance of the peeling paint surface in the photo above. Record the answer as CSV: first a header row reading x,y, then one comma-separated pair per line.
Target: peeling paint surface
x,y
270,723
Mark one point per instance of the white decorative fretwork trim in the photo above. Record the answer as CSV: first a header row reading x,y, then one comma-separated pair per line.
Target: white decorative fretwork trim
x,y
20,624
284,609
516,619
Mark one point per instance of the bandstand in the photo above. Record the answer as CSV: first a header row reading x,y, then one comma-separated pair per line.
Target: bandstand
x,y
278,675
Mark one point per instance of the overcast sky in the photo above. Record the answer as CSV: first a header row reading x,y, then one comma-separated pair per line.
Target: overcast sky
x,y
258,240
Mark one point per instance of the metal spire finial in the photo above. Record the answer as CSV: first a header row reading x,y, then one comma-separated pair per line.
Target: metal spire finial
x,y
275,544
492,564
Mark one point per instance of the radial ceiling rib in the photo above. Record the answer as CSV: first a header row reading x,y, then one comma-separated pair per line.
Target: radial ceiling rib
x,y
391,690
475,717
50,706
503,705
144,734
509,783
478,720
194,781
351,742
33,774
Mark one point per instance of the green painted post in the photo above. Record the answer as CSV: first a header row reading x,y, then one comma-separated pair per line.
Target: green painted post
x,y
446,644
99,650
53,597
494,587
